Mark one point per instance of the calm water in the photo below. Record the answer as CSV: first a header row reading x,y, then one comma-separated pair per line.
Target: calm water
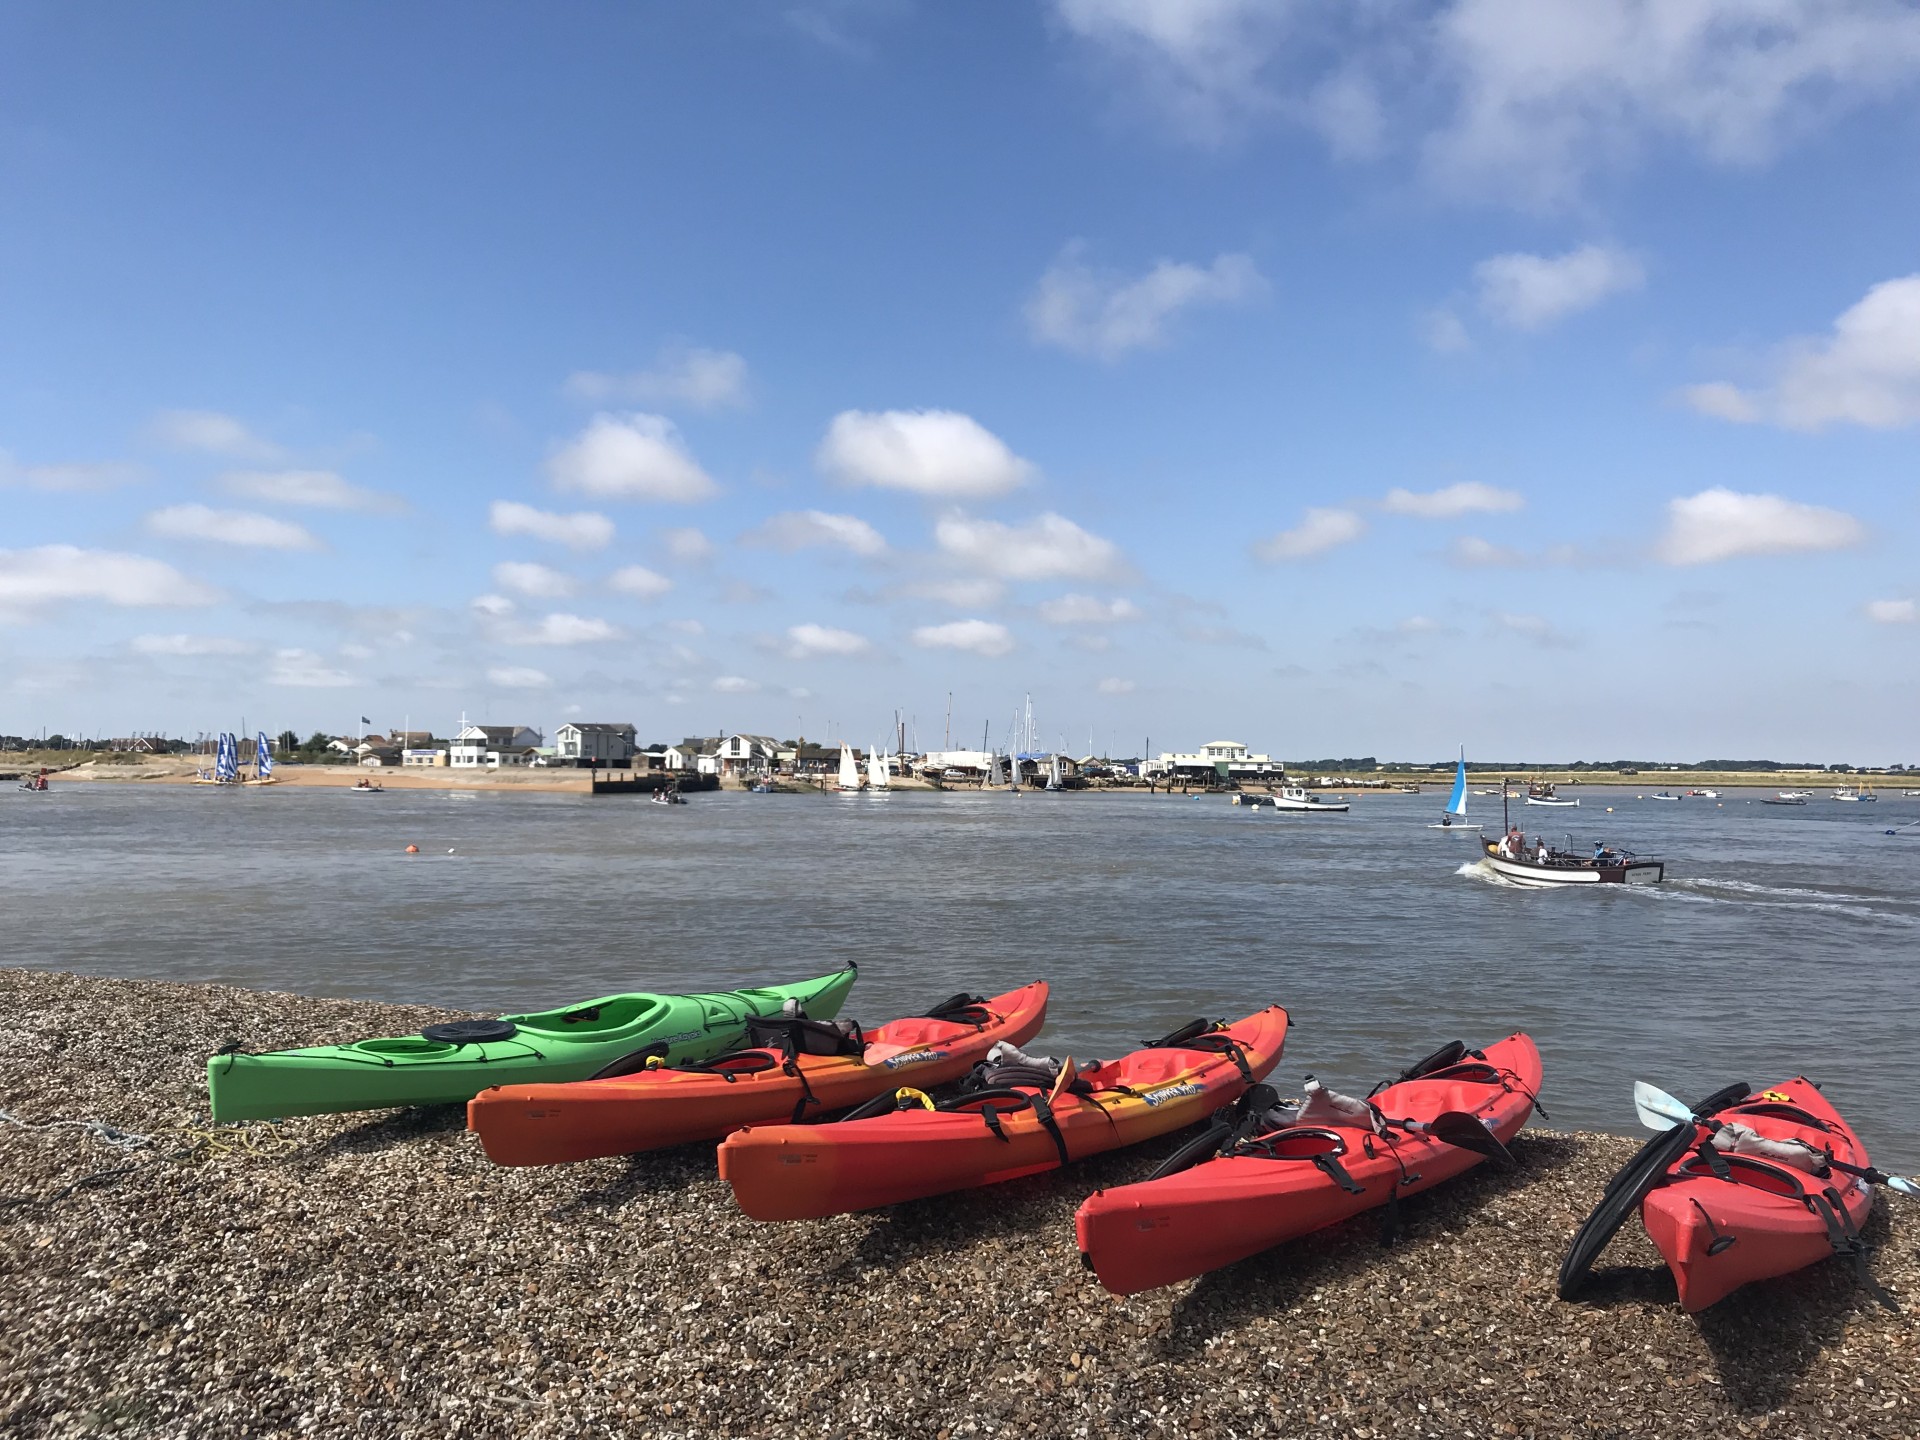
x,y
1785,940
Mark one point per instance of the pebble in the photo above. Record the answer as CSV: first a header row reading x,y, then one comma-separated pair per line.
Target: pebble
x,y
373,1274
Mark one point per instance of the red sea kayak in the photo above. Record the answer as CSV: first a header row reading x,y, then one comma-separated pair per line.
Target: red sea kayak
x,y
1271,1187
804,1172
1763,1217
676,1105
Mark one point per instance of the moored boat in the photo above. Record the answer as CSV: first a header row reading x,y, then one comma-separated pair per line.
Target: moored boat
x,y
455,1061
1541,793
1295,799
1260,1183
805,1172
785,1074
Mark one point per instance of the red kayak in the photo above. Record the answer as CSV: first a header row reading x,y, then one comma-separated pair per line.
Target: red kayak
x,y
804,1172
1764,1217
1271,1185
678,1104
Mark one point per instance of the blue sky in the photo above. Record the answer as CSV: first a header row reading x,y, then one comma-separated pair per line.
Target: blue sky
x,y
1351,379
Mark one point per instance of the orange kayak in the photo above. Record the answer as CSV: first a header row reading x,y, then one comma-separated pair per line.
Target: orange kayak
x,y
676,1105
804,1172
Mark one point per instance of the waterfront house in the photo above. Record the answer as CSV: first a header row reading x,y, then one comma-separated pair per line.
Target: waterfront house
x,y
594,743
423,756
747,754
491,746
374,756
1215,760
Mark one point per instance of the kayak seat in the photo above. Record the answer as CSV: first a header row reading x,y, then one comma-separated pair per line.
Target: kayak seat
x,y
470,1032
920,1030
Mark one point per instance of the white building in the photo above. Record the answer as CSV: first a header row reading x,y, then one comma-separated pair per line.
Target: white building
x,y
1221,757
594,743
423,757
491,746
747,754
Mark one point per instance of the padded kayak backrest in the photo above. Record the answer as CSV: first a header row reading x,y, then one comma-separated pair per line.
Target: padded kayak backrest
x,y
632,1063
1447,1055
961,1009
799,1036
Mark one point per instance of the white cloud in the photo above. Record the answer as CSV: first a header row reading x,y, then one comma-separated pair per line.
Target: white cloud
x,y
1198,61
687,545
1319,531
230,527
1722,401
494,605
1549,91
1536,628
580,530
1114,685
527,578
320,489
1418,625
735,685
978,637
1104,314
1530,292
68,478
632,457
518,677
1087,610
962,594
1867,372
304,670
1893,612
808,641
929,452
210,433
1514,100
686,626
563,629
190,645
1466,498
799,529
1721,524
699,379
1472,553
1048,547
1443,332
639,582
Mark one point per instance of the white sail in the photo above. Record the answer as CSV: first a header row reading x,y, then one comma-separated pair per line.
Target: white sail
x,y
876,770
262,757
1053,771
996,775
226,759
849,769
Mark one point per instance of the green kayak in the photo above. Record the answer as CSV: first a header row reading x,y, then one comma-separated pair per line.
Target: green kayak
x,y
454,1062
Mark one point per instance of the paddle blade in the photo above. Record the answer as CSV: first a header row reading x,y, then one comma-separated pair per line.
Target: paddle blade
x,y
1657,1109
1903,1185
1069,1072
1457,1128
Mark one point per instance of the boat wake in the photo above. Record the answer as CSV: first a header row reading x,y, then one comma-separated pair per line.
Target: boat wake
x,y
1791,897
1486,874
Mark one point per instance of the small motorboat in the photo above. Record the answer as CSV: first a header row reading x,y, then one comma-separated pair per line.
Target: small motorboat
x,y
666,797
1784,799
1704,794
1294,798
35,783
1808,794
367,787
1544,794
1607,866
1663,795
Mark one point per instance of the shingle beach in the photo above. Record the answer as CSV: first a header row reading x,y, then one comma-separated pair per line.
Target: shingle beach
x,y
375,1275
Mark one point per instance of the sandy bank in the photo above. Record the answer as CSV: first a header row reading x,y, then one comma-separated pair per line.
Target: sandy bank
x,y
374,1275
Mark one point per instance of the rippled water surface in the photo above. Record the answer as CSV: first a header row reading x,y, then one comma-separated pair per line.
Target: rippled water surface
x,y
1786,940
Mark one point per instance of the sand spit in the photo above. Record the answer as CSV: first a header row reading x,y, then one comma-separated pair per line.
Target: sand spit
x,y
373,1275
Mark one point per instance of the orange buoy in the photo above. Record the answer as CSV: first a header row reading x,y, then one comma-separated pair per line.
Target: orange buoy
x,y
413,849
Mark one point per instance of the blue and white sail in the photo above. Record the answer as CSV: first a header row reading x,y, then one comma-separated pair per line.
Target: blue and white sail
x,y
226,759
1457,802
262,756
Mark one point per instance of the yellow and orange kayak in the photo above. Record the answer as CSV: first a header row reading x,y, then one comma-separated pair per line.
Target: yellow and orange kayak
x,y
804,1172
679,1104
